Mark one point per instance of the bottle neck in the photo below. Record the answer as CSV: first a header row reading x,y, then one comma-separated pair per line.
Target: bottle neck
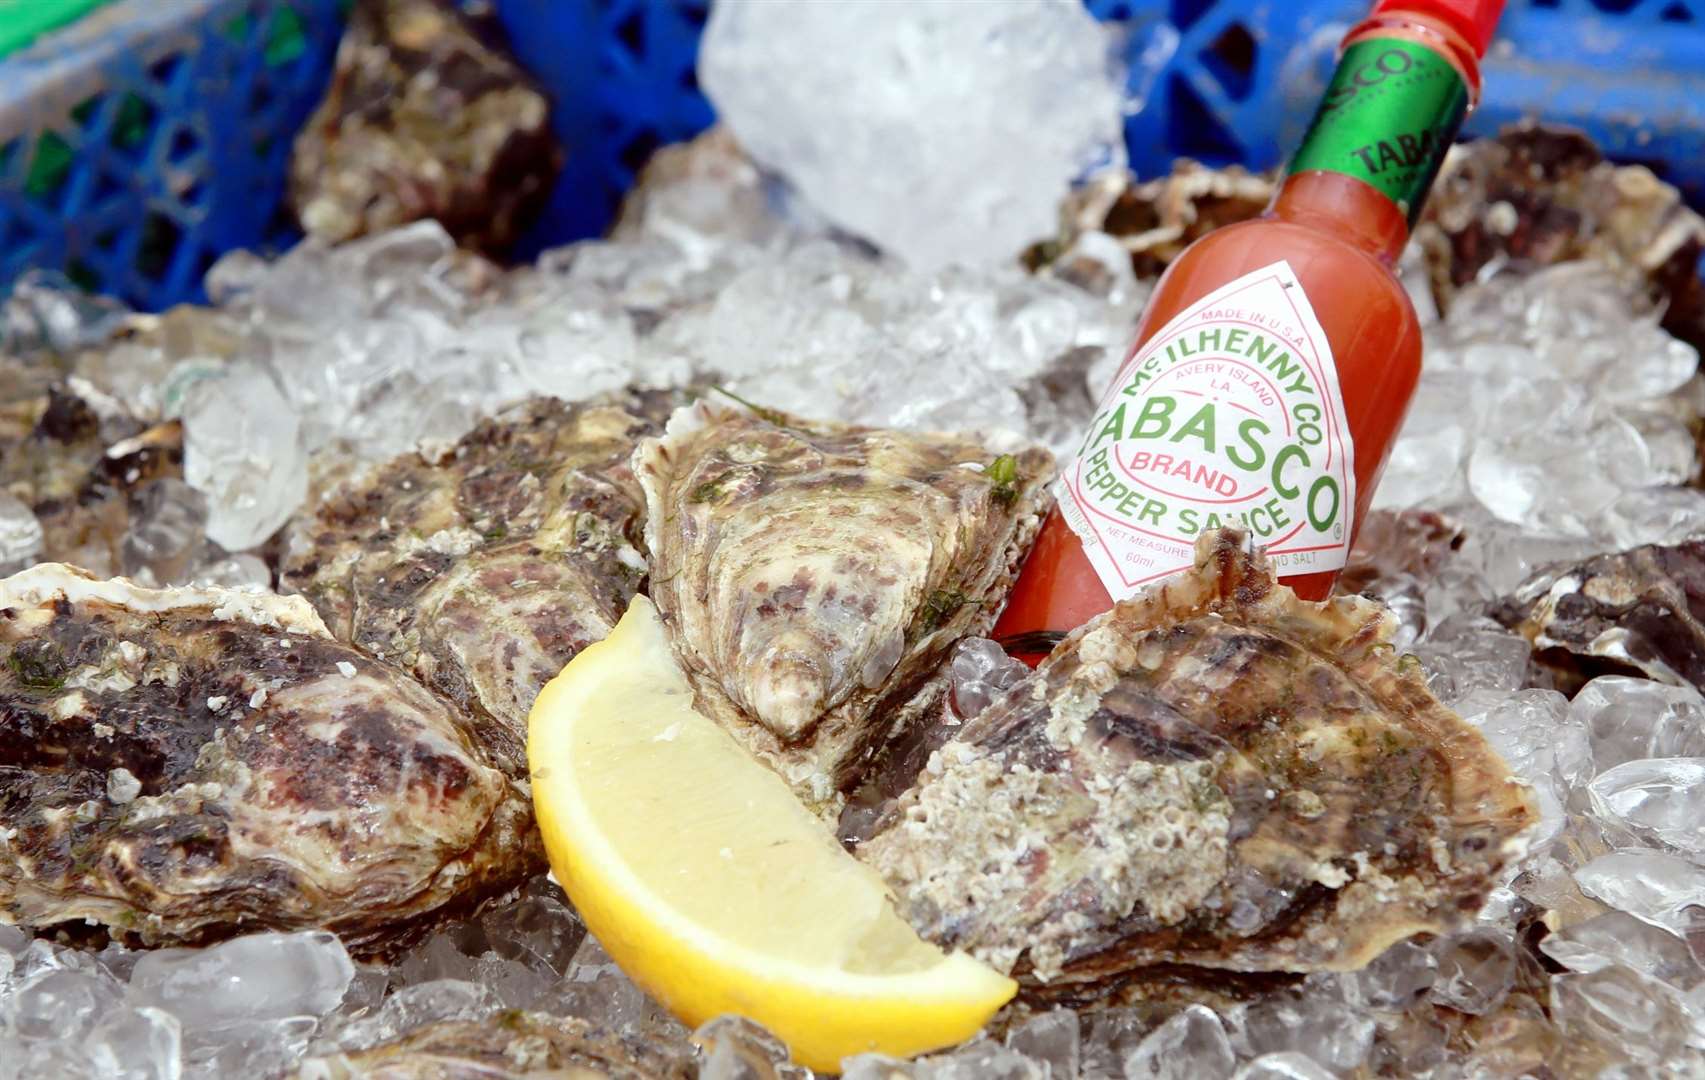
x,y
1405,82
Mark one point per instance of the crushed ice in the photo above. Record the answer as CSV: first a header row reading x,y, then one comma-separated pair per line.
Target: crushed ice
x,y
1550,423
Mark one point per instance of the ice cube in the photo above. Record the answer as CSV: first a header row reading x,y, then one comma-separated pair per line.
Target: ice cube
x,y
168,526
539,929
1290,1065
1314,1022
1619,938
1629,719
247,1048
366,991
1467,653
1534,731
1646,363
595,989
1053,1039
20,535
981,671
1410,1044
583,347
1538,738
413,1006
732,1047
899,122
1100,265
1624,1011
878,1067
1426,460
1657,799
261,977
46,310
1396,978
234,572
61,1003
1190,1045
235,274
982,1060
438,957
1666,515
1477,968
1660,889
136,1044
242,449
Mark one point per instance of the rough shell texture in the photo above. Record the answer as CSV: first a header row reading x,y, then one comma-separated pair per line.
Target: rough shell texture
x,y
507,1046
1541,194
1214,774
485,569
179,765
814,575
423,120
1635,612
1157,219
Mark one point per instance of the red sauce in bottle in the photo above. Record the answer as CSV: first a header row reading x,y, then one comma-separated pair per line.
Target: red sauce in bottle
x,y
1340,230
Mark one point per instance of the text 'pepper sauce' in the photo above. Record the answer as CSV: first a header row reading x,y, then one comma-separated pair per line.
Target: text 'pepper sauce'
x,y
1276,358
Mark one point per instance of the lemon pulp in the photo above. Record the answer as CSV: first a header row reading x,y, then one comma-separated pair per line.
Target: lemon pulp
x,y
710,884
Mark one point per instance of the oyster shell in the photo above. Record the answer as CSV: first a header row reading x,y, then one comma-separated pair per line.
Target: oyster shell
x,y
182,764
814,575
1160,217
423,120
485,568
1212,774
506,1046
1640,611
1541,194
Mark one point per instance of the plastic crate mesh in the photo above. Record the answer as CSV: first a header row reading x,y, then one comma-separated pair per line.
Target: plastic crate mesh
x,y
147,139
141,144
622,74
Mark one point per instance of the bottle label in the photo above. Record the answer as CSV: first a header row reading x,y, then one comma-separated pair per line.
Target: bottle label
x,y
1230,415
1389,116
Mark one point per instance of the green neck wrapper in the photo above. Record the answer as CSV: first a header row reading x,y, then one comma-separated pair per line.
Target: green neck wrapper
x,y
1389,115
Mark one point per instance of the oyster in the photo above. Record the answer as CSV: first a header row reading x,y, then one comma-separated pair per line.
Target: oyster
x,y
814,575
484,569
1639,612
1212,774
1154,220
183,764
423,120
506,1046
1541,194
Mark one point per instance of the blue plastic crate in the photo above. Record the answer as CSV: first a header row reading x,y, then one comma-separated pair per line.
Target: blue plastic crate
x,y
139,144
174,125
1238,82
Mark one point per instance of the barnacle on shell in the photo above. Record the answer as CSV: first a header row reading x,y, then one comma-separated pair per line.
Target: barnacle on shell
x,y
1216,774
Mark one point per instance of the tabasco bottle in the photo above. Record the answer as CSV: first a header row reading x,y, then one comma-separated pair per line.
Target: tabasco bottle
x,y
1276,359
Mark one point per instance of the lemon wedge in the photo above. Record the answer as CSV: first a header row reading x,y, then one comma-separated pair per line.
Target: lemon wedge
x,y
711,886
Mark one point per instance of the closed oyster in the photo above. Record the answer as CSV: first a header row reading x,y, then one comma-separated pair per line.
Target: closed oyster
x,y
485,568
178,765
1541,194
814,575
1213,774
1638,612
423,120
507,1046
